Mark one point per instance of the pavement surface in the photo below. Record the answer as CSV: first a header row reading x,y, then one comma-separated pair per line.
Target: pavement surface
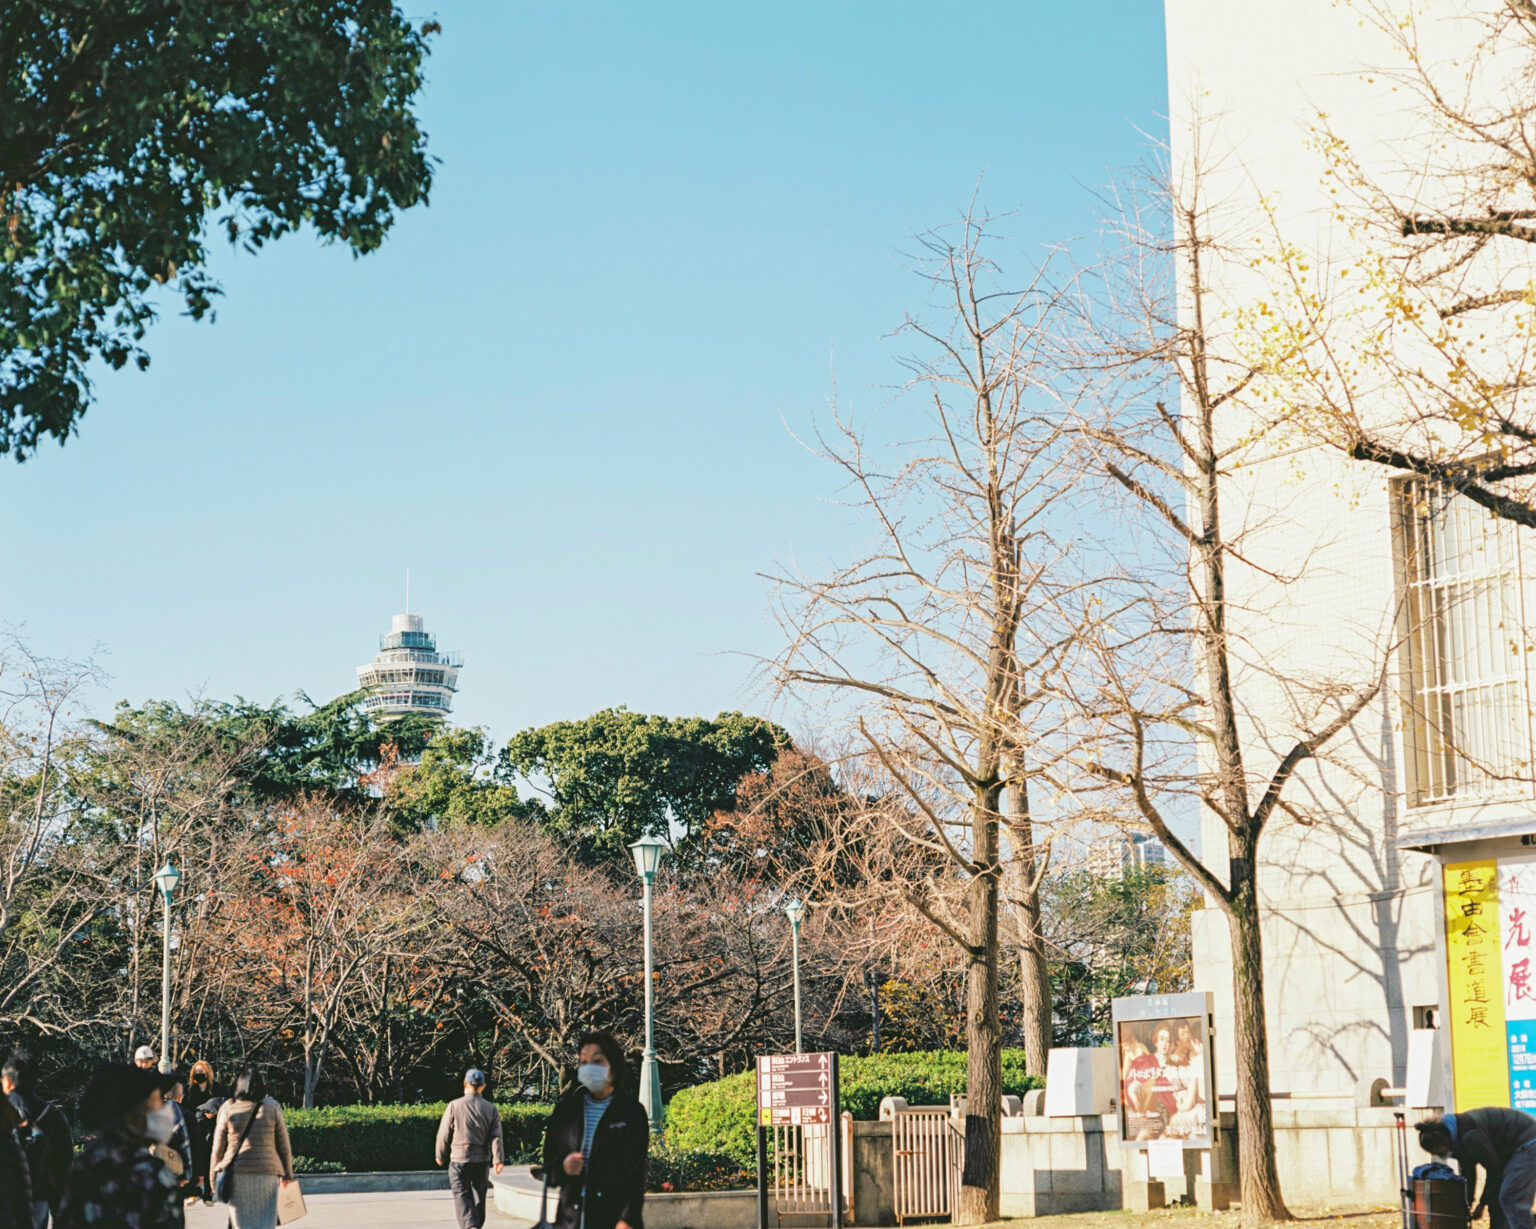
x,y
382,1210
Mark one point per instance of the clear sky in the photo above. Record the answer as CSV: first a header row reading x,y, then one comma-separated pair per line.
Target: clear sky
x,y
562,394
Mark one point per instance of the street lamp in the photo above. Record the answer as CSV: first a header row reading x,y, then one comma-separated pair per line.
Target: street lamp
x,y
648,851
166,879
794,910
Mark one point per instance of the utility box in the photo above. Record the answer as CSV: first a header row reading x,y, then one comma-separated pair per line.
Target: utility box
x,y
1424,1088
1080,1082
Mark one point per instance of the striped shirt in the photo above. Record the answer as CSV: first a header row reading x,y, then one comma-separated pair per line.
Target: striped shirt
x,y
592,1114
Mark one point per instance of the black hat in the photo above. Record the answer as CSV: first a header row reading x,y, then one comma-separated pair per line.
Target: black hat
x,y
115,1089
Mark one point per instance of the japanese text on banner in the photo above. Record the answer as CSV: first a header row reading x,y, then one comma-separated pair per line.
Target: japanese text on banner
x,y
1517,931
1477,985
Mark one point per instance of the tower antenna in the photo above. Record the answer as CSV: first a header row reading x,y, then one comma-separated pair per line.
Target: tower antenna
x,y
407,590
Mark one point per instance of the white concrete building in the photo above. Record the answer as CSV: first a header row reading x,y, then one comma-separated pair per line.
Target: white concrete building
x,y
1110,856
409,675
1436,774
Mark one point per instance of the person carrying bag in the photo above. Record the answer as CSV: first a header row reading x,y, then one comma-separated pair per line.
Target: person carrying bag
x,y
253,1169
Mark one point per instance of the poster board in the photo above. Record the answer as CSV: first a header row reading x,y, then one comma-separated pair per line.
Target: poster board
x,y
1166,1070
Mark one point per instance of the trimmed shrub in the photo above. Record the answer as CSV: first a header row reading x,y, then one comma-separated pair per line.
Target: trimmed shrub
x,y
389,1138
677,1169
308,1165
718,1117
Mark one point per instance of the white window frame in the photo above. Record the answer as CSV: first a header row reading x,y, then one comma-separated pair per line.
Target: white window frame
x,y
1463,666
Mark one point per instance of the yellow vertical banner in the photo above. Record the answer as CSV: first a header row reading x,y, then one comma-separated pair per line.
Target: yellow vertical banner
x,y
1479,1054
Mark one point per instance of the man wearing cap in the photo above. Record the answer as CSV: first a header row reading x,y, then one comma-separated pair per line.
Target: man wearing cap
x,y
144,1058
469,1142
116,1180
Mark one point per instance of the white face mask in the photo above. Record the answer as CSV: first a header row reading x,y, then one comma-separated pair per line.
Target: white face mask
x,y
593,1077
160,1124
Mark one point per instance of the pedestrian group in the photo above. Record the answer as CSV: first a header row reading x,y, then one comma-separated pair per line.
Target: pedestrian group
x,y
152,1141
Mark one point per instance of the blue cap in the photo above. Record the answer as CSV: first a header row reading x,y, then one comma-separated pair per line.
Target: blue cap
x,y
475,1078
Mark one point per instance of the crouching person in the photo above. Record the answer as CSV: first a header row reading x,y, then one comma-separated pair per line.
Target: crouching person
x,y
1501,1142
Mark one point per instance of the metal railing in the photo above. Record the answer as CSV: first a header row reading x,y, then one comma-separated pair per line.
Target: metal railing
x,y
800,1170
926,1150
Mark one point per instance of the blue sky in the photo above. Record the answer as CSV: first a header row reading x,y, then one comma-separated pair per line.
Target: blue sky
x,y
563,394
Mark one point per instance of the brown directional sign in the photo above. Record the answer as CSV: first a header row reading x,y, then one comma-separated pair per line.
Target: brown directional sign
x,y
795,1088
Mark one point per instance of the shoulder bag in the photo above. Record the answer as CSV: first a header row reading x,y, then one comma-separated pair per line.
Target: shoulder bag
x,y
223,1187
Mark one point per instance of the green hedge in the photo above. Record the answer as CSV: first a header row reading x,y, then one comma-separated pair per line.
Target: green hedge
x,y
718,1116
675,1169
372,1138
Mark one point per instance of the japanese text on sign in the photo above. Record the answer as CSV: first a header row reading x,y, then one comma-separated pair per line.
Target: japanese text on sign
x,y
1476,964
794,1088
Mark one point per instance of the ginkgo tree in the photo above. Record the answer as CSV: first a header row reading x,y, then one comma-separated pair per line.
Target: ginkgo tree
x,y
1408,339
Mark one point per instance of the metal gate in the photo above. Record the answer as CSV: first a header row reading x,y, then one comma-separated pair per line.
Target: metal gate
x,y
926,1152
800,1159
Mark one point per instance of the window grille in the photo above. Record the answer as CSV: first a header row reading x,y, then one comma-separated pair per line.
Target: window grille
x,y
1465,692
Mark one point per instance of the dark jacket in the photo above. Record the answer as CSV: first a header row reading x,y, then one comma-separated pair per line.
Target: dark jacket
x,y
184,1141
15,1184
614,1180
1488,1137
46,1139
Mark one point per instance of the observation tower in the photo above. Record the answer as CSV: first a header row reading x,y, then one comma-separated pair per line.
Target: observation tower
x,y
409,675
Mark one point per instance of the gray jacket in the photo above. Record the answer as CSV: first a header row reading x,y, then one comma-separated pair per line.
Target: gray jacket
x,y
472,1127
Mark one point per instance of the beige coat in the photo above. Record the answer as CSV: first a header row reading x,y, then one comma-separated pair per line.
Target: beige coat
x,y
266,1149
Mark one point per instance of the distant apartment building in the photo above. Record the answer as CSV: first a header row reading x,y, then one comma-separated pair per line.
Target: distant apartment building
x,y
1110,857
409,675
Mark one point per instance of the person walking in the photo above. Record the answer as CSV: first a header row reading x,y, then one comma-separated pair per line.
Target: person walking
x,y
203,1097
469,1143
183,1141
1500,1141
250,1139
44,1134
116,1180
200,1082
597,1144
15,1180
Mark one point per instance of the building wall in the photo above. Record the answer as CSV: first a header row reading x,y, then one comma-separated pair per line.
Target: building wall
x,y
1350,919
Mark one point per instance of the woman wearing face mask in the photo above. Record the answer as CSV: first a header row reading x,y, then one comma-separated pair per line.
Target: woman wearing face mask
x,y
250,1139
116,1180
597,1144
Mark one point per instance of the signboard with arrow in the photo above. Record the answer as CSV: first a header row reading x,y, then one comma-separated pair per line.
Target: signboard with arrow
x,y
797,1104
795,1088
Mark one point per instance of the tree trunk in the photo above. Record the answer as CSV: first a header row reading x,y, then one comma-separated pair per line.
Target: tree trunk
x,y
1258,1175
310,1039
977,1201
1024,893
1034,991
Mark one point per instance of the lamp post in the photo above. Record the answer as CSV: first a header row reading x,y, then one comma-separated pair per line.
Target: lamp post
x,y
166,879
794,910
648,851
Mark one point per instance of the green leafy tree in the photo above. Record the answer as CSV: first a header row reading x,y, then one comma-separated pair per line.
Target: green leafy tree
x,y
616,776
327,749
452,786
1112,937
129,126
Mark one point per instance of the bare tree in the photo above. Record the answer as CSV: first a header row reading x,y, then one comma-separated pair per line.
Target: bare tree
x,y
327,898
50,893
1185,711
942,645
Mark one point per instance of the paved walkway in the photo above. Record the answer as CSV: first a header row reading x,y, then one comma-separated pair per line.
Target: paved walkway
x,y
383,1210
